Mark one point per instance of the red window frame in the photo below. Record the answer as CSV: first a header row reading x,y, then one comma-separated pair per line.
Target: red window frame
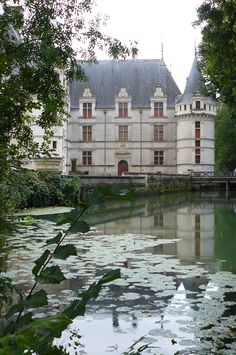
x,y
87,109
123,109
158,109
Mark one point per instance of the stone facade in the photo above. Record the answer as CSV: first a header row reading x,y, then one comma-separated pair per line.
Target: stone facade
x,y
130,116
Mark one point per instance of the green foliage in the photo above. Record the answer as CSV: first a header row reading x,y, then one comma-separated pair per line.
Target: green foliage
x,y
37,60
217,49
27,188
24,334
225,139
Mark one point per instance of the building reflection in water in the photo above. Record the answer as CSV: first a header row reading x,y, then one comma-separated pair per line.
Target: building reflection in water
x,y
191,228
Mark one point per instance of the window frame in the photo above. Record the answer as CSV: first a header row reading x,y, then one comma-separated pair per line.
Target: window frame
x,y
87,133
123,133
158,133
87,157
158,157
87,110
158,107
123,109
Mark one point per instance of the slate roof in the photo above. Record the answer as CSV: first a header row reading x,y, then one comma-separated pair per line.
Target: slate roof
x,y
193,85
139,76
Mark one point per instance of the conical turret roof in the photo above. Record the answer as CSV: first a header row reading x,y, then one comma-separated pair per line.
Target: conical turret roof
x,y
193,85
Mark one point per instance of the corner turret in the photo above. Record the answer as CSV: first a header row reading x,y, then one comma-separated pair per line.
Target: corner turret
x,y
195,116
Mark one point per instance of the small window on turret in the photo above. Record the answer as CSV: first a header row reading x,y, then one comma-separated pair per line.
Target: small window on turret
x,y
209,107
204,106
190,107
185,107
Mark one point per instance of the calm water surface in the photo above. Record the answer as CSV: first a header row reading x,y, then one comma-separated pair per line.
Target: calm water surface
x,y
177,255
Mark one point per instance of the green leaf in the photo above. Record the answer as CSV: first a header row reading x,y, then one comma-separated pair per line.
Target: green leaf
x,y
110,276
51,275
53,326
14,309
75,309
27,338
79,226
24,321
64,251
40,261
39,299
54,240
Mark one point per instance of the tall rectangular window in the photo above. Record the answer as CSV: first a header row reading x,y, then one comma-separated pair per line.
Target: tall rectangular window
x,y
158,109
158,133
197,129
198,105
87,158
87,110
123,133
158,157
87,133
73,164
197,155
123,109
54,144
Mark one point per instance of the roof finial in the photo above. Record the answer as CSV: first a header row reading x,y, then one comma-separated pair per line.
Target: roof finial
x,y
162,51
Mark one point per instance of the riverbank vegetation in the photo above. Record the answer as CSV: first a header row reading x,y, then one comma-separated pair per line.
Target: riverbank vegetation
x,y
28,189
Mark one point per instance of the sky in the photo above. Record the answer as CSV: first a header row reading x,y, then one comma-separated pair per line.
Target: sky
x,y
152,22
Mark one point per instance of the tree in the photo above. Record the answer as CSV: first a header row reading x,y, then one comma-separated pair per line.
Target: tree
x,y
36,43
225,136
40,39
217,50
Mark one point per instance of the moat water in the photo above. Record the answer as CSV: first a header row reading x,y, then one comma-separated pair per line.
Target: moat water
x,y
177,293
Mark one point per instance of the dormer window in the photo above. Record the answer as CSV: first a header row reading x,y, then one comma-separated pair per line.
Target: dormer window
x,y
87,104
198,105
87,109
158,103
158,109
123,109
123,104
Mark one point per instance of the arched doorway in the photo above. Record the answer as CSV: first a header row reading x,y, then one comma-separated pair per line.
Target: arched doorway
x,y
122,167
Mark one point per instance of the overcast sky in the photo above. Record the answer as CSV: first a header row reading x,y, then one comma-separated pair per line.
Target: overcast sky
x,y
152,22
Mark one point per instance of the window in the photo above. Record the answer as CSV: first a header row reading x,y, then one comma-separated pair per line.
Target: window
x,y
123,109
158,109
209,107
87,133
87,158
190,107
204,106
197,143
197,155
123,133
54,144
185,107
198,105
87,110
158,157
158,133
73,164
197,129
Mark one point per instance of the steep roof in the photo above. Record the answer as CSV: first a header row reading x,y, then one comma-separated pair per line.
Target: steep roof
x,y
139,77
193,85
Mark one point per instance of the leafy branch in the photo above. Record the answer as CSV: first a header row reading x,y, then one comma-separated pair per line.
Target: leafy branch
x,y
25,333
